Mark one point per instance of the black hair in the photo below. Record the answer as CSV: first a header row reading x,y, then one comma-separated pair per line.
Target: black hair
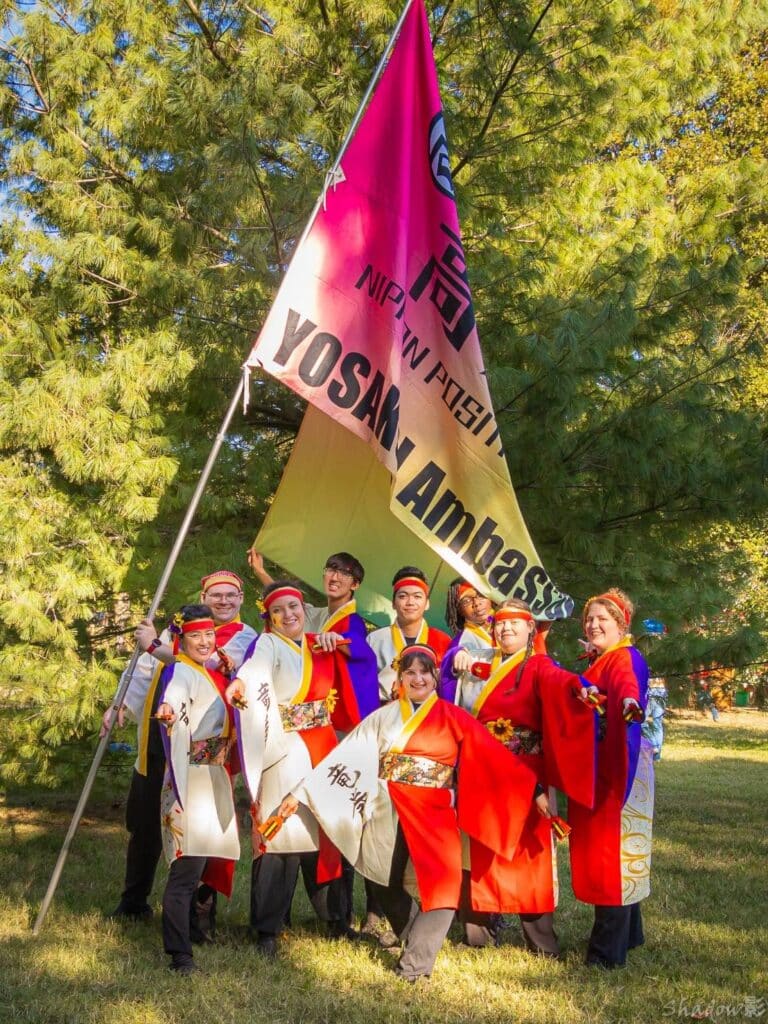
x,y
454,617
408,570
345,562
408,657
190,612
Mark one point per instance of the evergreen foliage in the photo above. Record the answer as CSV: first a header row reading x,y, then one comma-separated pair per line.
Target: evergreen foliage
x,y
158,163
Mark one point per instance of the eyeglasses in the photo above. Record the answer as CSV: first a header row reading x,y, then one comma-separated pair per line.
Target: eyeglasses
x,y
472,600
338,573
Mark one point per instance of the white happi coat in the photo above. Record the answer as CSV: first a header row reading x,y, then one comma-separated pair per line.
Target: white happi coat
x,y
278,666
197,811
147,670
387,643
475,638
350,801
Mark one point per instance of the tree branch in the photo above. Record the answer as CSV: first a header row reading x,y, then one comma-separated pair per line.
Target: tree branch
x,y
498,94
210,41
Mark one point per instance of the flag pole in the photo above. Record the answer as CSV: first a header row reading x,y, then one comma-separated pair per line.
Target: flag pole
x,y
126,677
170,564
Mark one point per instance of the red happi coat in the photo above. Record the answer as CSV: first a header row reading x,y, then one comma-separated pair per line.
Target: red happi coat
x,y
494,791
544,701
600,868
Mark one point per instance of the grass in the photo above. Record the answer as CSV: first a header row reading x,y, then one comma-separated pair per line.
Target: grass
x,y
704,956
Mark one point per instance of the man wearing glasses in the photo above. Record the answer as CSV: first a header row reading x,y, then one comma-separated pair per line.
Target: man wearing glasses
x,y
338,626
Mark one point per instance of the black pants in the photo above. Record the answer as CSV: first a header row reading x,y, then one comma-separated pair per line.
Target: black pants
x,y
142,819
273,880
422,932
183,879
616,930
372,904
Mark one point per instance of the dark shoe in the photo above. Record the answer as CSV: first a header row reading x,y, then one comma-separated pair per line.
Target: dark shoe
x,y
375,927
341,930
183,965
266,946
124,913
202,920
411,979
607,965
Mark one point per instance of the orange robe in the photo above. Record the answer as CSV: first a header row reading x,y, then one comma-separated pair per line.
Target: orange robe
x,y
611,843
349,794
553,733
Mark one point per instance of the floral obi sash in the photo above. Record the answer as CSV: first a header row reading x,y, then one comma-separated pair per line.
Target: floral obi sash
x,y
214,751
415,771
311,715
516,738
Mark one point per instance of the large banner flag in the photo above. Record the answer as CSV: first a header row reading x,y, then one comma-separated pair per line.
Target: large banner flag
x,y
399,458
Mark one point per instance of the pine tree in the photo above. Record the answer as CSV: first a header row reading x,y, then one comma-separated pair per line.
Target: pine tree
x,y
158,164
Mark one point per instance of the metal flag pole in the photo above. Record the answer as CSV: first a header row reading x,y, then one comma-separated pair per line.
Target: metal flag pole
x,y
330,178
126,677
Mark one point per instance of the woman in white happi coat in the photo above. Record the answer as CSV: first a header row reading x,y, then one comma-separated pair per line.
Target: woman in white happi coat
x,y
197,811
395,793
314,701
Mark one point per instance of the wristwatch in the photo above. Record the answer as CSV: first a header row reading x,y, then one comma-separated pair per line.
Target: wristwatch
x,y
157,642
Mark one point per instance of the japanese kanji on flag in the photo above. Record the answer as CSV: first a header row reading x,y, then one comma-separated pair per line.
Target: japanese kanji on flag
x,y
398,459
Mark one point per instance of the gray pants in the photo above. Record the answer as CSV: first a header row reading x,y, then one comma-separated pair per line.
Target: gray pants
x,y
421,932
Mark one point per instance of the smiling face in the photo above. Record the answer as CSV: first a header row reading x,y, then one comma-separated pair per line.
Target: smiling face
x,y
511,635
339,585
286,616
224,600
410,604
198,644
475,608
601,628
418,680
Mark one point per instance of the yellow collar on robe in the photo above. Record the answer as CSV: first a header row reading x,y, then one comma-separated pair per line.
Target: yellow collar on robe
x,y
398,637
341,613
411,720
481,632
206,675
499,670
624,642
306,664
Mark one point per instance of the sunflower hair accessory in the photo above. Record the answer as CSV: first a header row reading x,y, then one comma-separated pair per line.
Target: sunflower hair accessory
x,y
176,623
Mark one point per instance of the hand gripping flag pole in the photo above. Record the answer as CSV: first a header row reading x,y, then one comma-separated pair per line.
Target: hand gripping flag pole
x,y
331,178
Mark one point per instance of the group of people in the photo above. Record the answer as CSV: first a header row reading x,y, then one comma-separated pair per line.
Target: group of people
x,y
427,763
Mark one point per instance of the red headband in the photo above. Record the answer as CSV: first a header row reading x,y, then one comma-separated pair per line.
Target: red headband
x,y
220,576
195,625
422,650
282,592
464,588
507,614
410,581
613,599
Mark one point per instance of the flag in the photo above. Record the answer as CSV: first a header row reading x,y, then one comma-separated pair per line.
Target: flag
x,y
399,458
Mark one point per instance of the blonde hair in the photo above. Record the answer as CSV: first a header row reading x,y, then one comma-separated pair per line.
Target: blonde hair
x,y
515,602
616,603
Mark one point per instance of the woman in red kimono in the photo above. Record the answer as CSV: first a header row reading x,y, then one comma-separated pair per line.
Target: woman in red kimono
x,y
611,842
386,797
533,707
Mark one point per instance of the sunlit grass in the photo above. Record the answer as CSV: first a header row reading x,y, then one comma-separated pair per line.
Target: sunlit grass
x,y
705,925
